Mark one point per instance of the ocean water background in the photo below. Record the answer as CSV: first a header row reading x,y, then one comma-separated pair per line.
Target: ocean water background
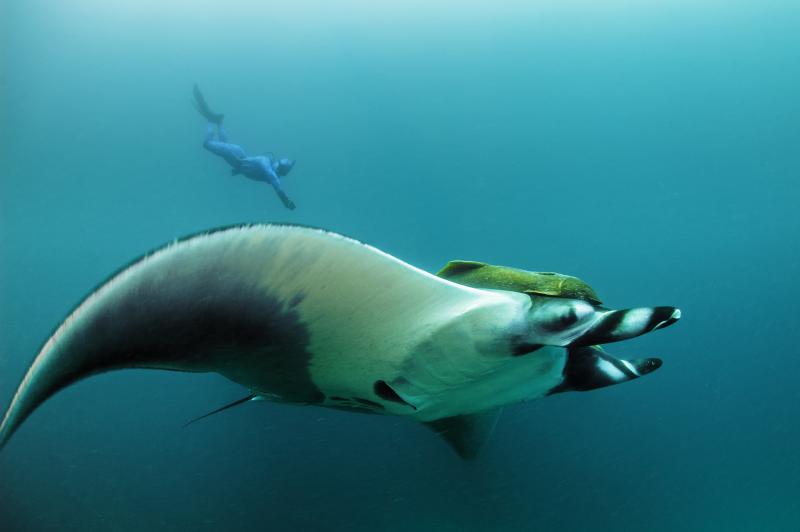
x,y
649,147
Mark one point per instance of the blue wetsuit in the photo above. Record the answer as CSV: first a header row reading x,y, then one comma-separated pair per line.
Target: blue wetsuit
x,y
261,168
264,168
232,153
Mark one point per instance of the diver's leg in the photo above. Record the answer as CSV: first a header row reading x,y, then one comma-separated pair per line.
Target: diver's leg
x,y
220,145
232,153
209,134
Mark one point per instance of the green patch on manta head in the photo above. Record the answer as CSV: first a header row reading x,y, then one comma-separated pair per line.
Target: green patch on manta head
x,y
482,275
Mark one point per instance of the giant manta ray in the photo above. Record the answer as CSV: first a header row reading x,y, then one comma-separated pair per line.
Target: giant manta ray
x,y
309,317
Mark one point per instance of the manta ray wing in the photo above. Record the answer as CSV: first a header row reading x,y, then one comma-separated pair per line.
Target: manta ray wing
x,y
287,311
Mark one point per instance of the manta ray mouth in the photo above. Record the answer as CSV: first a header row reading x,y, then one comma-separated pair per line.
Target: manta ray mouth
x,y
387,393
524,348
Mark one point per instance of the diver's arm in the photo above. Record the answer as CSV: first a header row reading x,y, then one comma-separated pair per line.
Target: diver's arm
x,y
289,204
272,178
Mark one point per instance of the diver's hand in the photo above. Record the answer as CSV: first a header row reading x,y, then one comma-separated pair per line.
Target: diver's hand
x,y
289,204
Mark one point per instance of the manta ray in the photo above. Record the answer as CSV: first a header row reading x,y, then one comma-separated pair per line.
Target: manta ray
x,y
305,316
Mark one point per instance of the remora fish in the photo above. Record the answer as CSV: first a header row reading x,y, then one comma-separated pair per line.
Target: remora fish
x,y
305,316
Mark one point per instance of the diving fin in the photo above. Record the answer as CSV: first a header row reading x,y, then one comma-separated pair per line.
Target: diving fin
x,y
220,409
202,107
468,433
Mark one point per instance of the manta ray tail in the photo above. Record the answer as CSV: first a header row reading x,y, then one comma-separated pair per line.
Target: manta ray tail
x,y
222,408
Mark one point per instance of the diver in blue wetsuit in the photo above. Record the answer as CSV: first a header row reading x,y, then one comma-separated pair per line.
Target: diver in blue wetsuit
x,y
260,168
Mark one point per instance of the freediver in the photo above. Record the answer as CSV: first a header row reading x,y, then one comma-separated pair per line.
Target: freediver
x,y
259,168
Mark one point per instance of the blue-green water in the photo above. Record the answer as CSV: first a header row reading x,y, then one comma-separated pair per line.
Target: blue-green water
x,y
650,148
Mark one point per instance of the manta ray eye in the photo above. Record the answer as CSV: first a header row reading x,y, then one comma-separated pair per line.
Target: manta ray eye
x,y
569,316
564,315
561,319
